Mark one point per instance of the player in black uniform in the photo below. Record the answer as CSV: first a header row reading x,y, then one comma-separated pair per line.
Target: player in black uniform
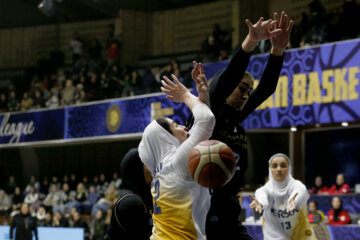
x,y
232,100
131,215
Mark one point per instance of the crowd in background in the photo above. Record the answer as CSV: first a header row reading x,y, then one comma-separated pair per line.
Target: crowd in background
x,y
337,215
67,203
92,77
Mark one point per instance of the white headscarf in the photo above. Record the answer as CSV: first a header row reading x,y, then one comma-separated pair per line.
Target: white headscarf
x,y
155,145
280,187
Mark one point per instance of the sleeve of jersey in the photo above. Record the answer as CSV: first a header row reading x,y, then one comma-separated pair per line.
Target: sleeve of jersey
x,y
262,197
303,195
204,122
266,87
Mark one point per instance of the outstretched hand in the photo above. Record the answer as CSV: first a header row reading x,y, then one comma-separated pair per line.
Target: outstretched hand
x,y
280,41
174,91
255,204
262,30
291,206
202,86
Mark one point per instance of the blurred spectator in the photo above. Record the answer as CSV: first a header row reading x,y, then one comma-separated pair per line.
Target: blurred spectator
x,y
52,100
11,185
116,180
17,198
315,216
80,197
26,102
48,220
72,182
210,50
107,201
40,216
96,184
76,45
99,226
338,215
61,220
113,49
79,96
104,185
319,188
44,187
13,104
65,179
54,180
95,50
79,223
135,84
34,183
32,198
67,94
104,86
87,205
340,187
38,100
5,203
61,78
3,102
116,82
92,93
24,224
86,183
53,197
149,81
64,198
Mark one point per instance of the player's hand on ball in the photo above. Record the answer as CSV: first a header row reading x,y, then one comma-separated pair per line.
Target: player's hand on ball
x,y
291,206
255,204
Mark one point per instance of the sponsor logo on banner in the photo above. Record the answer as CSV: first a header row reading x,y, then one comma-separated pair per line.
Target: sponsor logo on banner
x,y
15,130
113,118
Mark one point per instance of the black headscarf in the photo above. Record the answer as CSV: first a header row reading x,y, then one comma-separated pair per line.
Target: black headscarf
x,y
133,178
338,211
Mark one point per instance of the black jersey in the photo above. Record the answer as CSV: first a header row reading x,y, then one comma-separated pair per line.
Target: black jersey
x,y
228,127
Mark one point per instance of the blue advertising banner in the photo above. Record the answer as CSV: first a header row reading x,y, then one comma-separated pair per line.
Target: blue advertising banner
x,y
316,85
120,116
32,126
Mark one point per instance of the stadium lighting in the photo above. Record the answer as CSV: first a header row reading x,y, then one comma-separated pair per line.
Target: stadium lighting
x,y
344,124
293,129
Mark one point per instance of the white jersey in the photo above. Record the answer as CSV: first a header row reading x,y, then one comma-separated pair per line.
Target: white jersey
x,y
278,224
180,204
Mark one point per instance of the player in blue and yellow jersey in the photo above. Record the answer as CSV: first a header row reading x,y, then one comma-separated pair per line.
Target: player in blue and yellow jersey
x,y
180,204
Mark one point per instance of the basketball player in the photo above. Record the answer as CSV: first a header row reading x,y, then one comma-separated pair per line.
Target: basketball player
x,y
232,100
131,215
283,203
180,204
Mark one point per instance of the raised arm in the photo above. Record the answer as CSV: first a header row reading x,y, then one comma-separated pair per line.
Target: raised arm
x,y
224,83
204,119
271,73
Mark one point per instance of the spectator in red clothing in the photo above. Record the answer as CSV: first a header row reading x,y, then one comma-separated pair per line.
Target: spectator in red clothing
x,y
319,188
337,215
340,187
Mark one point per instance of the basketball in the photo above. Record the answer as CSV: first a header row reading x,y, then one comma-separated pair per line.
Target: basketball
x,y
212,163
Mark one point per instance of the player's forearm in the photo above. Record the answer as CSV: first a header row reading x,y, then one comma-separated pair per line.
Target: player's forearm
x,y
248,45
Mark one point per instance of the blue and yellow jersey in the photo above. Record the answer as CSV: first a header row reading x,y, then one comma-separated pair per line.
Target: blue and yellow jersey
x,y
180,206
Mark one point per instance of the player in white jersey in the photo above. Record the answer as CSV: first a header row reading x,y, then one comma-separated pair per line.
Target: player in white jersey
x,y
283,203
180,204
